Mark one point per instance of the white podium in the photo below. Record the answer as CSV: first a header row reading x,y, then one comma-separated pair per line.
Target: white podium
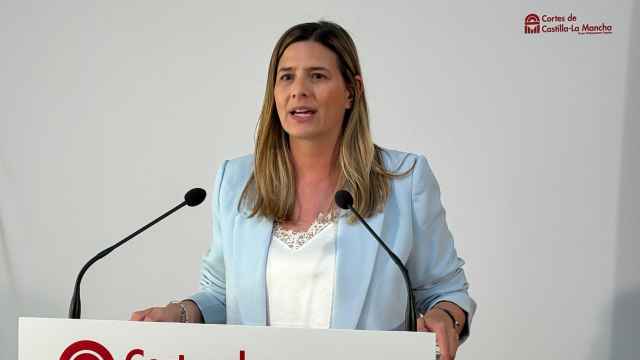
x,y
64,339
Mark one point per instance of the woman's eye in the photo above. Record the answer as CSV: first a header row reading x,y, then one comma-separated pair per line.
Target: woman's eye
x,y
285,77
318,76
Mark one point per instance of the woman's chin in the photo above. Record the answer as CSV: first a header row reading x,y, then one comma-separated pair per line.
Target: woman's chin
x,y
302,135
304,131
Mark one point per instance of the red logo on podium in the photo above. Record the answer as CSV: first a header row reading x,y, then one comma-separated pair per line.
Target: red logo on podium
x,y
532,24
91,350
86,350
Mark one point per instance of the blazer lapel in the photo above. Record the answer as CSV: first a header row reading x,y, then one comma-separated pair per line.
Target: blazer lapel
x,y
251,247
355,258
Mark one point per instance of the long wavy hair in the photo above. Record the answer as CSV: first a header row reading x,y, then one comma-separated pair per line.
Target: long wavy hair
x,y
270,191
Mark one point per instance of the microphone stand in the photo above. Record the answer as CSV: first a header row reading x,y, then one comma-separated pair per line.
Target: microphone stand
x,y
410,313
192,198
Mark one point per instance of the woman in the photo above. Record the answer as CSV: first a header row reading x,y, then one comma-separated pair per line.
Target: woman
x,y
283,255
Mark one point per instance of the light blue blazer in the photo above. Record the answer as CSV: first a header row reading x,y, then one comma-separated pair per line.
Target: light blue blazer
x,y
369,291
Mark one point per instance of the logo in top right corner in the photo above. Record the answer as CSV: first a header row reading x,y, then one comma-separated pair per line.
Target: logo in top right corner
x,y
554,24
532,24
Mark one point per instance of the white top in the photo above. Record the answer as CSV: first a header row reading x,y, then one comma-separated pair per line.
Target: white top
x,y
301,276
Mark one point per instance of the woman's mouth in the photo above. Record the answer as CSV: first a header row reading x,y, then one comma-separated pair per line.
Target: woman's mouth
x,y
302,113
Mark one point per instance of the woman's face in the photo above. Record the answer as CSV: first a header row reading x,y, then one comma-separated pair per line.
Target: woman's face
x,y
310,93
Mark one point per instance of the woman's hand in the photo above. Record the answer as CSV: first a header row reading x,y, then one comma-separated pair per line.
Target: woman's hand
x,y
169,313
436,320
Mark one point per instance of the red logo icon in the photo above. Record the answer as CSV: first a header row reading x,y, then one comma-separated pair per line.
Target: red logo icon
x,y
532,24
86,350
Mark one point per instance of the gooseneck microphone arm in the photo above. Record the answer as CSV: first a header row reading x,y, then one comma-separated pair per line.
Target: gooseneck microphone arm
x,y
193,197
345,201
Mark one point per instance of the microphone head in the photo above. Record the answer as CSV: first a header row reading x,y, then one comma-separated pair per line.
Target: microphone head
x,y
344,200
195,196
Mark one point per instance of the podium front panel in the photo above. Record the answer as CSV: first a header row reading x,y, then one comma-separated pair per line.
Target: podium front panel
x,y
65,339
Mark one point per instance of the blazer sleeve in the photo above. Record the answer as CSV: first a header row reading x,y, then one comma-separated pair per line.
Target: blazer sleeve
x,y
435,268
211,299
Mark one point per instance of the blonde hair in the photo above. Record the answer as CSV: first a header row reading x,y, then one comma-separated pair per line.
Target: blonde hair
x,y
270,191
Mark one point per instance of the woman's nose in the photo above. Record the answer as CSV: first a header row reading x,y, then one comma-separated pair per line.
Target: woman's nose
x,y
300,87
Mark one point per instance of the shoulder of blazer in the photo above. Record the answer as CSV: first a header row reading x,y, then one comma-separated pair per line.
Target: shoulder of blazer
x,y
240,168
399,161
236,174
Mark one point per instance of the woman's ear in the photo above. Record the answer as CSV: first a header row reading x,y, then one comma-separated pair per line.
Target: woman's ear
x,y
359,85
356,89
350,97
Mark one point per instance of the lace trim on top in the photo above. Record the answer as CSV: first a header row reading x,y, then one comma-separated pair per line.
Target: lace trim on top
x,y
296,239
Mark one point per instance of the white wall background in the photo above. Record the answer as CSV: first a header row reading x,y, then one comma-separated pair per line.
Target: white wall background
x,y
110,111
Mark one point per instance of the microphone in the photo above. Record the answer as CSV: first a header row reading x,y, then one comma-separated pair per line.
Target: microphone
x,y
193,197
345,201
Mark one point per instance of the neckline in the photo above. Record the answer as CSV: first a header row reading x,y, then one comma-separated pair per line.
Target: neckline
x,y
321,218
294,239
